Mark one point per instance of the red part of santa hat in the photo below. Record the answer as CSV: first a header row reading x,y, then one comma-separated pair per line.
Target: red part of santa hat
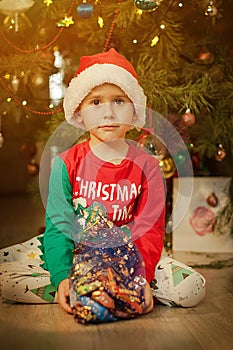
x,y
107,67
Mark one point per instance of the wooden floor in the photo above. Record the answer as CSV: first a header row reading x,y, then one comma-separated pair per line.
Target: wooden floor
x,y
46,327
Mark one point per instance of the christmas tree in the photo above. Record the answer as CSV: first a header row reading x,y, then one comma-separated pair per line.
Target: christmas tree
x,y
182,52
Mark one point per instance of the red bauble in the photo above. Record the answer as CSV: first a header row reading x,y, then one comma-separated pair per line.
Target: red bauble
x,y
220,153
212,200
206,57
33,168
29,149
188,119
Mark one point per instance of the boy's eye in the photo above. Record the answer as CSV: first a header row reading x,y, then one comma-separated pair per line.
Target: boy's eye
x,y
118,101
96,102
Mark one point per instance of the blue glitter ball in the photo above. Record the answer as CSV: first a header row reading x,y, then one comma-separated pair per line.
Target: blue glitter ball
x,y
85,10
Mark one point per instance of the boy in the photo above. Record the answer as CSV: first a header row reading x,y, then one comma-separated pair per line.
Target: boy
x,y
105,98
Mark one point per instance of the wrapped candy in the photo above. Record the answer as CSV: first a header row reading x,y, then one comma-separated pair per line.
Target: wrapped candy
x,y
107,277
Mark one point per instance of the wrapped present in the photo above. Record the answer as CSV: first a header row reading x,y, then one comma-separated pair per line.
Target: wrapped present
x,y
107,279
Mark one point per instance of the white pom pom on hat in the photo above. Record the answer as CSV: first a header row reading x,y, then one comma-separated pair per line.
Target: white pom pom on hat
x,y
106,67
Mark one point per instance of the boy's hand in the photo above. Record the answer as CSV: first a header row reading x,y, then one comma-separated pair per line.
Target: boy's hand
x,y
149,302
63,295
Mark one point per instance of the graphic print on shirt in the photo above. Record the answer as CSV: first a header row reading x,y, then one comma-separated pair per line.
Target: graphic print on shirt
x,y
119,198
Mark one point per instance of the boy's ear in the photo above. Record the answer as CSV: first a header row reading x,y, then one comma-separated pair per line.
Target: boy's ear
x,y
78,117
135,117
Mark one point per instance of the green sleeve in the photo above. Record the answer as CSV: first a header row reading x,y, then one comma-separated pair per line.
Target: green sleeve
x,y
57,243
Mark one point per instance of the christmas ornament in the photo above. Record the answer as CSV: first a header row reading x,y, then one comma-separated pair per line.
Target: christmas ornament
x,y
1,140
38,80
188,119
211,10
212,200
206,57
153,144
15,83
100,21
48,2
85,10
33,168
147,5
154,41
195,160
65,22
168,167
29,150
220,153
180,157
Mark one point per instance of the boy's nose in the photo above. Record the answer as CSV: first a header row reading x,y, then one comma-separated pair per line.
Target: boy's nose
x,y
108,111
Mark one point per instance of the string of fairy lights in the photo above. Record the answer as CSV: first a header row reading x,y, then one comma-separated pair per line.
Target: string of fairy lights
x,y
10,82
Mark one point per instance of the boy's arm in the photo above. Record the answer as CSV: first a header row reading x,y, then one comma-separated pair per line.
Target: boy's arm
x,y
149,221
57,242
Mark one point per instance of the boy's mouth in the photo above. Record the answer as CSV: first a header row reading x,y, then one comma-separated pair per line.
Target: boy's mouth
x,y
108,127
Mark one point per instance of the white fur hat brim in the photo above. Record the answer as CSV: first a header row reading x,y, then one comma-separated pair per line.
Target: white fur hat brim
x,y
96,75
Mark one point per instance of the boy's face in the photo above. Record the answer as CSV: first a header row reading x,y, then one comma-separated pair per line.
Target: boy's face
x,y
107,113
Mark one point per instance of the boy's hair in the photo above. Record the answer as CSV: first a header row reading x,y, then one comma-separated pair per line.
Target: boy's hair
x,y
107,67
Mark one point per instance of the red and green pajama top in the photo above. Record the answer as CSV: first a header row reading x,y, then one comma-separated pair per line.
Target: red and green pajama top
x,y
132,192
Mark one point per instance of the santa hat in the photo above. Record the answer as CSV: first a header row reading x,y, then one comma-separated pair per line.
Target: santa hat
x,y
106,67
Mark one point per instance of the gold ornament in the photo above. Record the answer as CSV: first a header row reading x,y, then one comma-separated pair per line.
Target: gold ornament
x,y
38,79
154,41
66,22
168,167
100,21
48,2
